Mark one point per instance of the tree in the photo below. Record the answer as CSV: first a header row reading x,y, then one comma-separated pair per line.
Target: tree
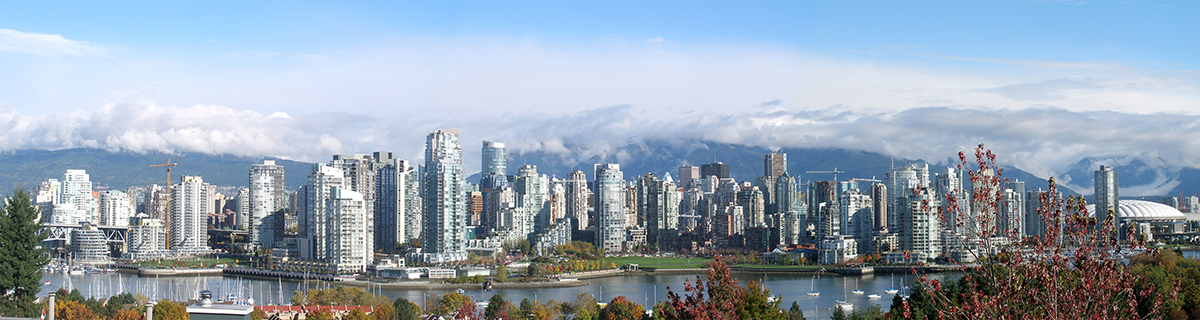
x,y
585,306
493,309
622,309
356,314
257,314
838,314
501,272
405,310
532,270
795,313
1070,272
724,296
21,256
757,304
320,315
128,314
526,308
384,311
467,311
73,310
450,302
167,310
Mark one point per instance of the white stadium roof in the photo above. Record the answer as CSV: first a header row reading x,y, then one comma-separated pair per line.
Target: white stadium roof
x,y
1146,211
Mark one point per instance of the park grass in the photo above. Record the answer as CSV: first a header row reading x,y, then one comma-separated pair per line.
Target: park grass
x,y
662,263
185,263
775,267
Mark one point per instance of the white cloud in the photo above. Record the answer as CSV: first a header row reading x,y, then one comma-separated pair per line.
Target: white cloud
x,y
655,40
51,45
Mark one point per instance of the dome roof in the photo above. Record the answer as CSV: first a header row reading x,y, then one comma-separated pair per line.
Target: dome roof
x,y
1144,211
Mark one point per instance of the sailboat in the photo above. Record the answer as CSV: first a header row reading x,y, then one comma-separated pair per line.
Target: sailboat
x,y
845,302
812,292
856,289
874,296
892,290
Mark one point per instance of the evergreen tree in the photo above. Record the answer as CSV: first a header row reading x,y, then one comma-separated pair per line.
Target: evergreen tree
x,y
795,313
405,310
21,259
839,314
492,311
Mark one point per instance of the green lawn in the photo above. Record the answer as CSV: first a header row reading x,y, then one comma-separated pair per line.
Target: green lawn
x,y
664,263
185,263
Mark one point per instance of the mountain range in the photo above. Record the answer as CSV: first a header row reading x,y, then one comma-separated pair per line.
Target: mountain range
x,y
119,170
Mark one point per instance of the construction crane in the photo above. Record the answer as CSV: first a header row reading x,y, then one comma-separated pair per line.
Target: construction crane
x,y
834,172
872,179
168,165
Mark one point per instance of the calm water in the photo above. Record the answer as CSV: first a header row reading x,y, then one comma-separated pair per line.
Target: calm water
x,y
1191,254
643,289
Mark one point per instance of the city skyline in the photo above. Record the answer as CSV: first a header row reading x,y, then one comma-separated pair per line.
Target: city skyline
x,y
1044,84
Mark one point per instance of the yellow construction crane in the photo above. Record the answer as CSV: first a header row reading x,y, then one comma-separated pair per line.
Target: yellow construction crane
x,y
168,165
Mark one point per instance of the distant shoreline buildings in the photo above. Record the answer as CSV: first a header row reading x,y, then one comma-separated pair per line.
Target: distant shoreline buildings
x,y
361,209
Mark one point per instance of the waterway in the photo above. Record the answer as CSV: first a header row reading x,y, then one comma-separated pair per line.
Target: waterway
x,y
1193,254
642,289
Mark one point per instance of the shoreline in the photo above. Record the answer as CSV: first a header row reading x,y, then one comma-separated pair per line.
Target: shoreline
x,y
556,281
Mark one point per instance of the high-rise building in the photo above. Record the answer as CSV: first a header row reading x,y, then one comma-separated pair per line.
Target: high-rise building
x,y
920,224
753,206
610,207
360,177
77,196
191,204
786,193
1106,191
243,209
900,182
658,204
1034,225
115,209
495,159
389,205
879,203
267,200
318,191
1012,210
577,199
444,199
766,185
347,237
533,193
411,207
950,183
857,209
688,175
718,169
775,164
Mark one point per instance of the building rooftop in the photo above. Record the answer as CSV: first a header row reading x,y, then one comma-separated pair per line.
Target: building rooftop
x,y
1145,211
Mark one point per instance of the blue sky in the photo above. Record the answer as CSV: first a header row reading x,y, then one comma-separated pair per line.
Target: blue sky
x,y
307,79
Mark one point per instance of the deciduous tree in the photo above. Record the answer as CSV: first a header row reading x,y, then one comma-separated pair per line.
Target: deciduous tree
x,y
167,310
1070,272
622,309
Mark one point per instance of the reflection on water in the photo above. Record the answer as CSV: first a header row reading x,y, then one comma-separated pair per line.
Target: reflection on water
x,y
643,289
1191,254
